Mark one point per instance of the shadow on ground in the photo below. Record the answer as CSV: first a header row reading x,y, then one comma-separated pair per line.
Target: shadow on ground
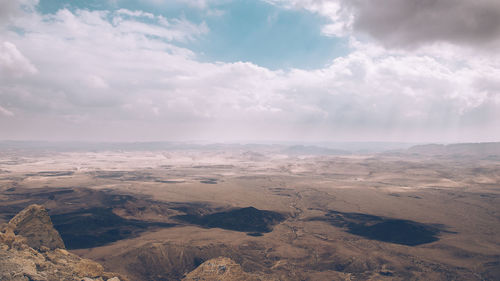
x,y
398,231
247,219
95,227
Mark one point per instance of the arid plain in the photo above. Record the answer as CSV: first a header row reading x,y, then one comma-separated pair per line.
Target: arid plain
x,y
282,213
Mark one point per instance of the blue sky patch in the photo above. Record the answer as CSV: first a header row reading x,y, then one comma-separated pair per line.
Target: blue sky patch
x,y
242,30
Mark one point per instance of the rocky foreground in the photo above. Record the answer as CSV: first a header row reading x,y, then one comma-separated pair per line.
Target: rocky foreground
x,y
32,250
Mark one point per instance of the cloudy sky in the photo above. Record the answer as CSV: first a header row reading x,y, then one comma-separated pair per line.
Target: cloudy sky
x,y
255,70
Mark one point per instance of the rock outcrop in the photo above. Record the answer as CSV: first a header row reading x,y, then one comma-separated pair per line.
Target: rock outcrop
x,y
31,249
34,224
222,269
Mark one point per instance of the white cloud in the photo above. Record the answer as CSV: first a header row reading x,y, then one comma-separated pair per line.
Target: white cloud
x,y
175,29
12,63
6,112
135,13
14,8
200,4
339,15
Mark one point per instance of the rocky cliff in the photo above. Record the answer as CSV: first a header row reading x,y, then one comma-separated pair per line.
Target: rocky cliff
x,y
31,249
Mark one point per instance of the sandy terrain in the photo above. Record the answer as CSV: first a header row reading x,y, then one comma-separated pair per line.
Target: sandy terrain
x,y
156,215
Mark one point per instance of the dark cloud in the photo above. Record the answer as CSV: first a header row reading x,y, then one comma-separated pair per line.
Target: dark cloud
x,y
407,23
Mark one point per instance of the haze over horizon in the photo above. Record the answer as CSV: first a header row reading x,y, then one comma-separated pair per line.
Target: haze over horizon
x,y
265,70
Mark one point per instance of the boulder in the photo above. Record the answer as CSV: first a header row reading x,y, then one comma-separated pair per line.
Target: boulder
x,y
223,269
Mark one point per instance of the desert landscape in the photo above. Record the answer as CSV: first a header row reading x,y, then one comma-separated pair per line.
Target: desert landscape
x,y
249,140
281,212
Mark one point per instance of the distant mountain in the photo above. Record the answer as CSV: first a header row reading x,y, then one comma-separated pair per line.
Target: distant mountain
x,y
487,149
313,150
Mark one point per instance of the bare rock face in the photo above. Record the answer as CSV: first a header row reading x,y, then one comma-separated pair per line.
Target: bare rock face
x,y
34,224
222,269
31,249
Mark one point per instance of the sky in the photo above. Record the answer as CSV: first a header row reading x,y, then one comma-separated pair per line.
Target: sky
x,y
241,70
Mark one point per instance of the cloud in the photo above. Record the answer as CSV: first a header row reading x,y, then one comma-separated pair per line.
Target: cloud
x,y
410,23
6,112
103,75
7,9
335,10
13,8
14,64
135,13
406,23
198,4
178,29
